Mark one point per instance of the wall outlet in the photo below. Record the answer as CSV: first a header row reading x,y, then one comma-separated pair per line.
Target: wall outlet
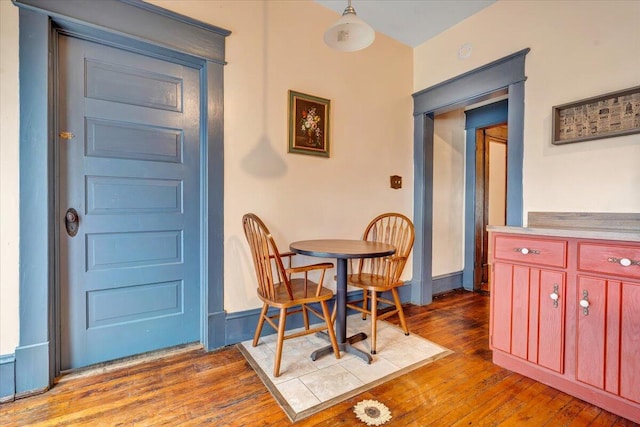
x,y
396,181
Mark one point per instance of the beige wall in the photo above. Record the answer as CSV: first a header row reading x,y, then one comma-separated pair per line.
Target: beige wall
x,y
276,46
579,49
448,192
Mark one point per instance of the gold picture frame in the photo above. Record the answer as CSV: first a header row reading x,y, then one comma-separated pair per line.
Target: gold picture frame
x,y
309,124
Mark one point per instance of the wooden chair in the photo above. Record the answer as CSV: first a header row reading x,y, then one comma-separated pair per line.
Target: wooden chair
x,y
277,288
377,275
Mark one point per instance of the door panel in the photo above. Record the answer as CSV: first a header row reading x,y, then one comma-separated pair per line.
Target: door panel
x,y
520,307
502,306
125,85
129,280
630,341
552,320
591,341
133,141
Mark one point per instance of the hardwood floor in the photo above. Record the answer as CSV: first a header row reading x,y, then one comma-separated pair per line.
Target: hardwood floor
x,y
195,388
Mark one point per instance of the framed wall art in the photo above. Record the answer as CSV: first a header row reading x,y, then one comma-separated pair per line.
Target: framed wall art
x,y
604,116
308,124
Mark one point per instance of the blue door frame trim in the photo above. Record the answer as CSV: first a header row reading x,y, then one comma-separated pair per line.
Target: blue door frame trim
x,y
505,75
138,20
488,115
140,27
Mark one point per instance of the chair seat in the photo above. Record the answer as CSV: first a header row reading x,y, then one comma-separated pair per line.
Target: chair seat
x,y
299,297
371,282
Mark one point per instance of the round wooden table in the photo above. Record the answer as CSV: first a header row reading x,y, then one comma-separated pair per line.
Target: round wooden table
x,y
342,250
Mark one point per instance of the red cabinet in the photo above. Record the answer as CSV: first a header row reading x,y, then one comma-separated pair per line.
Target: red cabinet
x,y
528,312
608,319
566,311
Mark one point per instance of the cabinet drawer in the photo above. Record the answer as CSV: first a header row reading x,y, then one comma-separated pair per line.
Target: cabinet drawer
x,y
528,250
615,259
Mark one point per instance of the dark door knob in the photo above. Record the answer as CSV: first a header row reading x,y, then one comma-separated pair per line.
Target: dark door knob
x,y
71,222
72,216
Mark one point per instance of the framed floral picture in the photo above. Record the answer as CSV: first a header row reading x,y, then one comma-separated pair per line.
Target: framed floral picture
x,y
308,124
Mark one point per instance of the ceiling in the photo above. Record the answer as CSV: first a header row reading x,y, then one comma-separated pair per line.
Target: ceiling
x,y
411,22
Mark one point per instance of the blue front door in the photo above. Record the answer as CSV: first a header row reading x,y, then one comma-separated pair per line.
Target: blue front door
x,y
128,135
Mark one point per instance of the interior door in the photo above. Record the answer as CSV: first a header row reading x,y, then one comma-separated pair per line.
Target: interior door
x,y
491,194
128,148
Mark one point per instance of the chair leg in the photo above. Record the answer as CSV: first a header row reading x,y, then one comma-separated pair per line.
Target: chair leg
x,y
280,341
263,313
334,313
330,331
374,320
305,316
365,293
403,321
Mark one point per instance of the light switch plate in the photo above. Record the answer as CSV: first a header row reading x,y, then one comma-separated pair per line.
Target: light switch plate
x,y
396,181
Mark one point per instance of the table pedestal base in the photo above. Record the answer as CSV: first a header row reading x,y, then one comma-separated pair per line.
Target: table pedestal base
x,y
345,347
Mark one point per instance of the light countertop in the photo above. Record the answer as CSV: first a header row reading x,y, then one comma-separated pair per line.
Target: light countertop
x,y
579,233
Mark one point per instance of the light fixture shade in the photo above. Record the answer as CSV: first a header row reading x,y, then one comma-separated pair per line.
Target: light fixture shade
x,y
349,33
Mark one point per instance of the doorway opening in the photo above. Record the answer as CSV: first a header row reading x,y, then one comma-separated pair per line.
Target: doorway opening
x,y
504,76
491,195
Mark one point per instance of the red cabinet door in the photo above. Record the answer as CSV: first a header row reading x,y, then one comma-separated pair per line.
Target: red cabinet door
x,y
520,311
552,298
501,294
630,342
527,321
608,336
591,340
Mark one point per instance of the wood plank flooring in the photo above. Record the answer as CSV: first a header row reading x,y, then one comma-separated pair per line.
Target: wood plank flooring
x,y
195,388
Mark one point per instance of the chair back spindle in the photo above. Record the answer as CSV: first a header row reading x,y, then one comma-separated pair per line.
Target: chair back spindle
x,y
394,229
265,257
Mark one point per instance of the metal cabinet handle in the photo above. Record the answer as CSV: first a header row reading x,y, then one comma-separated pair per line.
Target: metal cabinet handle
x,y
625,262
526,251
555,296
584,302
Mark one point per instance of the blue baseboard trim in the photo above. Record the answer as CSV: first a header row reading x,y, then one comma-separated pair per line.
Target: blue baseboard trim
x,y
447,282
241,325
32,368
7,377
215,330
405,292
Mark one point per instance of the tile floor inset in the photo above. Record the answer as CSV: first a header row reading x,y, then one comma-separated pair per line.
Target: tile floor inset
x,y
330,382
305,387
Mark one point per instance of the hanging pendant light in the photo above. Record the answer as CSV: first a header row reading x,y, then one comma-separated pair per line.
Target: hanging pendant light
x,y
349,33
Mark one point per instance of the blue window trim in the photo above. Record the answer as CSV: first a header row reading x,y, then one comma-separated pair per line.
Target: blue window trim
x,y
138,26
506,75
